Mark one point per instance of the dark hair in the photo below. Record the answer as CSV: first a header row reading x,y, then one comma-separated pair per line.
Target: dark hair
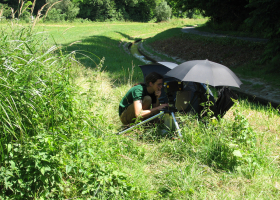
x,y
152,77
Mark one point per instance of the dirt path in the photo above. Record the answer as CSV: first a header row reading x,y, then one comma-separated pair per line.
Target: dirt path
x,y
254,88
193,31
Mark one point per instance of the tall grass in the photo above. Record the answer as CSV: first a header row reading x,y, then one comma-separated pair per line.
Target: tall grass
x,y
35,84
50,123
36,104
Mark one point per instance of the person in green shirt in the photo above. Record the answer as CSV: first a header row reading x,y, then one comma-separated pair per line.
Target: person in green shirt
x,y
138,100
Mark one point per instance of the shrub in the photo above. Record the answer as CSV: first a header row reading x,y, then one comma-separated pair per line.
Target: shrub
x,y
5,11
55,15
65,10
163,11
72,11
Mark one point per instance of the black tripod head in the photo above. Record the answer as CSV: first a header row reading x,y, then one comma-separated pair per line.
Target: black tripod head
x,y
170,88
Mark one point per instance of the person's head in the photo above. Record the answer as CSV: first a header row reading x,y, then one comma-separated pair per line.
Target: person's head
x,y
154,80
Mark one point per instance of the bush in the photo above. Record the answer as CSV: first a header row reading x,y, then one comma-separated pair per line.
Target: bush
x,y
65,10
55,15
163,11
71,11
5,11
194,14
26,16
48,137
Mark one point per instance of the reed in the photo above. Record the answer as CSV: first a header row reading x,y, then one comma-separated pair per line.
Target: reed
x,y
32,8
39,14
51,7
21,3
1,13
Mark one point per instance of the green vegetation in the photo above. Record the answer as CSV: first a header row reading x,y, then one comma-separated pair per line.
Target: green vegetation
x,y
58,107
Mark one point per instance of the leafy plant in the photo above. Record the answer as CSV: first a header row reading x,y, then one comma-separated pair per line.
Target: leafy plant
x,y
30,169
242,132
207,106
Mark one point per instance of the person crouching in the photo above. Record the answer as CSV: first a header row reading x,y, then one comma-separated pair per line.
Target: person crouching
x,y
138,100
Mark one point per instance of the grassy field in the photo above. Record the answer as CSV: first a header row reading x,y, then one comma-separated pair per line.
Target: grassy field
x,y
59,107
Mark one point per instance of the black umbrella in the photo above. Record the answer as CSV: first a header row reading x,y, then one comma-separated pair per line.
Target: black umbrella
x,y
205,71
159,67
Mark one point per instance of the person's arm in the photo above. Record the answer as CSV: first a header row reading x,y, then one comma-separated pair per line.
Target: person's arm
x,y
156,104
157,94
146,113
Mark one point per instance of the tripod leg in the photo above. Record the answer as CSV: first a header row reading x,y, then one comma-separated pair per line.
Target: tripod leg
x,y
176,124
143,122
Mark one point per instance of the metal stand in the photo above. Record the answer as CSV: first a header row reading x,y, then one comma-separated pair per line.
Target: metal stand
x,y
168,117
170,121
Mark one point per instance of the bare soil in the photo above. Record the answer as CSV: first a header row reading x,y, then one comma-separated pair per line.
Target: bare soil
x,y
228,55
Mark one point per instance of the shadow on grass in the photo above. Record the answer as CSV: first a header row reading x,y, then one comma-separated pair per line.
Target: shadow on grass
x,y
118,63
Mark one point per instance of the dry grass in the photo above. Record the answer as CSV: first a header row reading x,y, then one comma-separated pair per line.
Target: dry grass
x,y
1,12
97,86
32,8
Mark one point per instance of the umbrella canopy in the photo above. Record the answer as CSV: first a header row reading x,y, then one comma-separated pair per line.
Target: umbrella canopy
x,y
159,67
205,71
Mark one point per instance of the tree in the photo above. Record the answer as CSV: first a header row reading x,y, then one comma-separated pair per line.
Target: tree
x,y
101,10
265,17
218,11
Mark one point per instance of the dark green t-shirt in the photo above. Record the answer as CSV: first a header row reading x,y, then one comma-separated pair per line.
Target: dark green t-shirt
x,y
135,93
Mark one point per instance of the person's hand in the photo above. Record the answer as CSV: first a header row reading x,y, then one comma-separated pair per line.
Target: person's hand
x,y
162,106
158,93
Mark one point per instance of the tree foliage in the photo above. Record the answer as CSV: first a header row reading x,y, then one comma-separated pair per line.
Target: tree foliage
x,y
102,10
64,10
265,17
218,10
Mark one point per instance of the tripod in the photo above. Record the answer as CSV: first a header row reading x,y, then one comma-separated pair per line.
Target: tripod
x,y
169,119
